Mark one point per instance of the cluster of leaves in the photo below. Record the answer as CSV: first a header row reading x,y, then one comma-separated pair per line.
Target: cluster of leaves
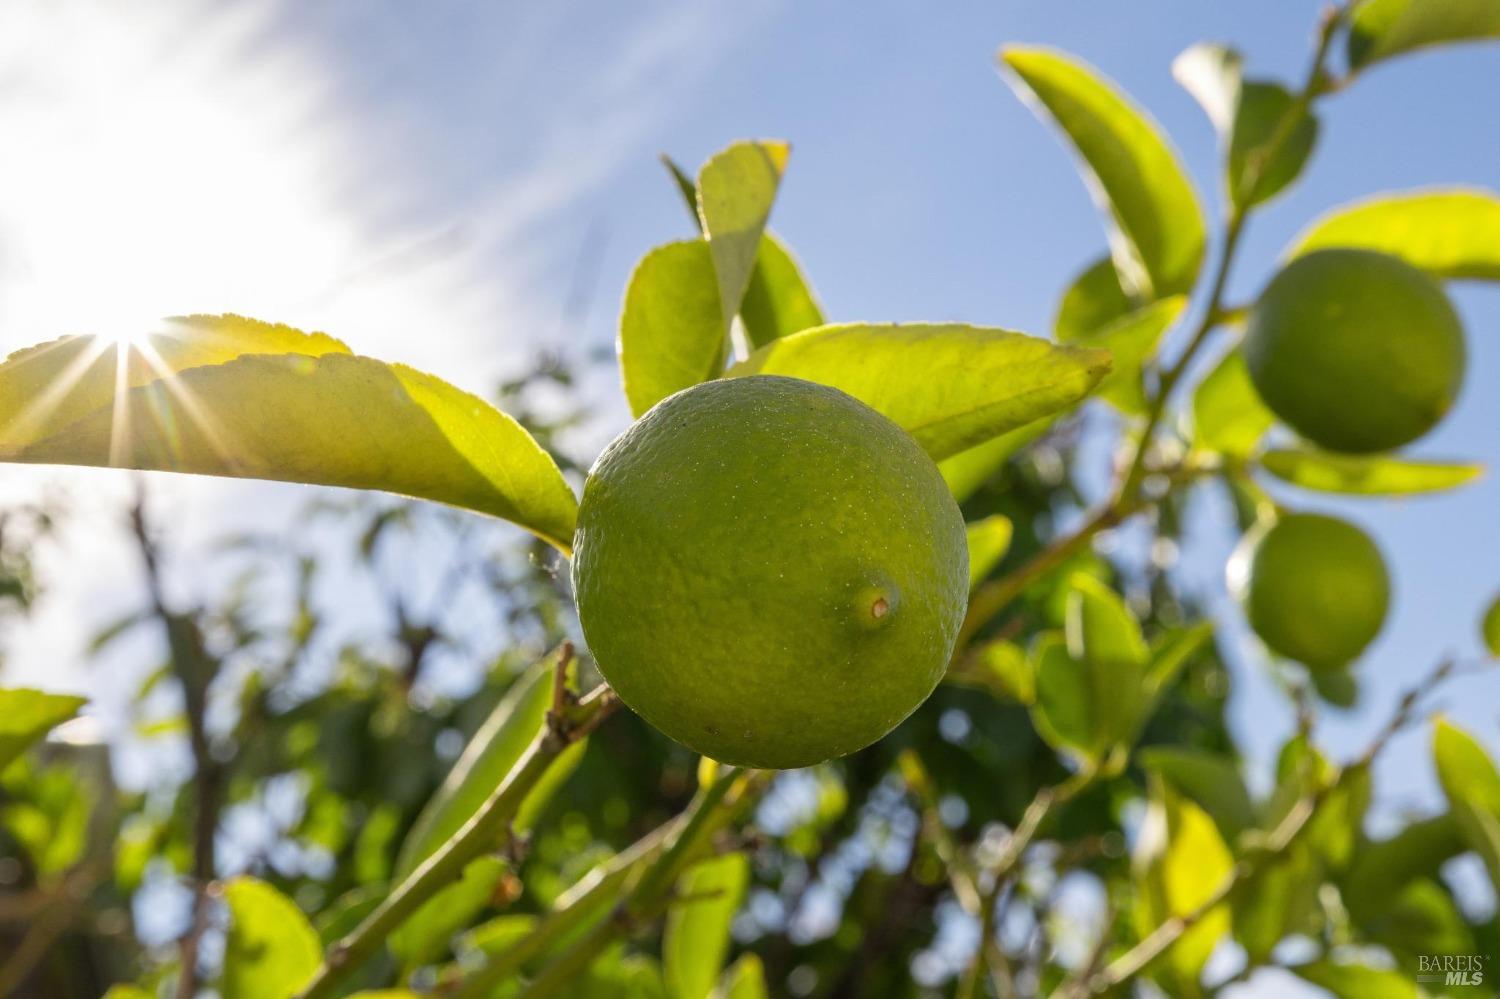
x,y
496,843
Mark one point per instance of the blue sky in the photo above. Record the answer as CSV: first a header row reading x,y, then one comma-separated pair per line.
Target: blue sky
x,y
424,186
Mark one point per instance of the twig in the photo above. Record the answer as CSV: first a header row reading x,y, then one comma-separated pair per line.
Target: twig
x,y
194,670
487,830
709,810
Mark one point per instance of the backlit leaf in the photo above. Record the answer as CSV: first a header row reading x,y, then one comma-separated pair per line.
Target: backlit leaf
x,y
1094,300
1379,29
335,419
270,951
426,933
1472,785
778,301
1371,475
736,189
745,979
1228,416
1213,782
1489,627
966,471
28,715
950,386
1448,232
1131,340
696,939
989,539
1385,866
488,758
1347,980
1157,231
672,335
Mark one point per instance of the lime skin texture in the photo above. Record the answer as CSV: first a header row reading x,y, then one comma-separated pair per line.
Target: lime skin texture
x,y
769,571
1359,352
1315,588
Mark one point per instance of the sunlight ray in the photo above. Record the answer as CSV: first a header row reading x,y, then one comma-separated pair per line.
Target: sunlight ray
x,y
213,431
35,413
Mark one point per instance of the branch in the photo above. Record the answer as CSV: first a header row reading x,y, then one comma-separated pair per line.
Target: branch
x,y
194,669
488,830
710,809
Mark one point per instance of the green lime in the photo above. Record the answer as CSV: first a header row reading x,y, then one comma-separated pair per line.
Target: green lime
x,y
769,571
1315,588
1357,351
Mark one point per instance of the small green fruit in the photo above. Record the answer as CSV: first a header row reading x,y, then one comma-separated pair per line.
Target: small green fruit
x,y
1314,588
769,571
1357,351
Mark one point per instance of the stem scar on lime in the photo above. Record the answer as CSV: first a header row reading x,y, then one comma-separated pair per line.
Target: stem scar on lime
x,y
769,571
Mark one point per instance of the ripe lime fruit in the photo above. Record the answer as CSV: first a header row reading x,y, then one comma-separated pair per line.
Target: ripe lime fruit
x,y
1315,588
769,571
1356,351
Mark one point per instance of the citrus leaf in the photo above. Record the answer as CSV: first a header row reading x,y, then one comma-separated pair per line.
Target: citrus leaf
x,y
47,388
989,539
1280,900
1157,231
1100,627
736,189
1094,299
1064,710
778,301
672,335
270,951
745,979
696,939
486,761
1472,785
1131,340
28,715
1379,29
1264,154
1212,782
949,386
1228,415
426,933
1000,667
1385,866
335,419
1375,475
966,471
1490,627
1180,860
1448,232
1171,651
1347,980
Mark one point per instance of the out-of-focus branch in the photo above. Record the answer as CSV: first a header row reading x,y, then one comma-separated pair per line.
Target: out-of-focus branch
x,y
194,669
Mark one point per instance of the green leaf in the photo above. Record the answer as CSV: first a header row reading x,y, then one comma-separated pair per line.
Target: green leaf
x,y
745,979
1157,231
1211,781
1421,919
1094,300
989,540
1171,651
1379,29
966,471
485,763
1384,867
778,301
1472,785
1282,899
1131,340
1000,667
1489,628
128,992
1348,980
46,389
334,419
1100,627
28,715
1228,416
736,189
425,936
950,386
1448,232
672,335
270,951
1366,475
1265,151
1065,712
1180,860
696,939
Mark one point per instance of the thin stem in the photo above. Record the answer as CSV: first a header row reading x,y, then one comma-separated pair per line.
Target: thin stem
x,y
488,830
707,813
